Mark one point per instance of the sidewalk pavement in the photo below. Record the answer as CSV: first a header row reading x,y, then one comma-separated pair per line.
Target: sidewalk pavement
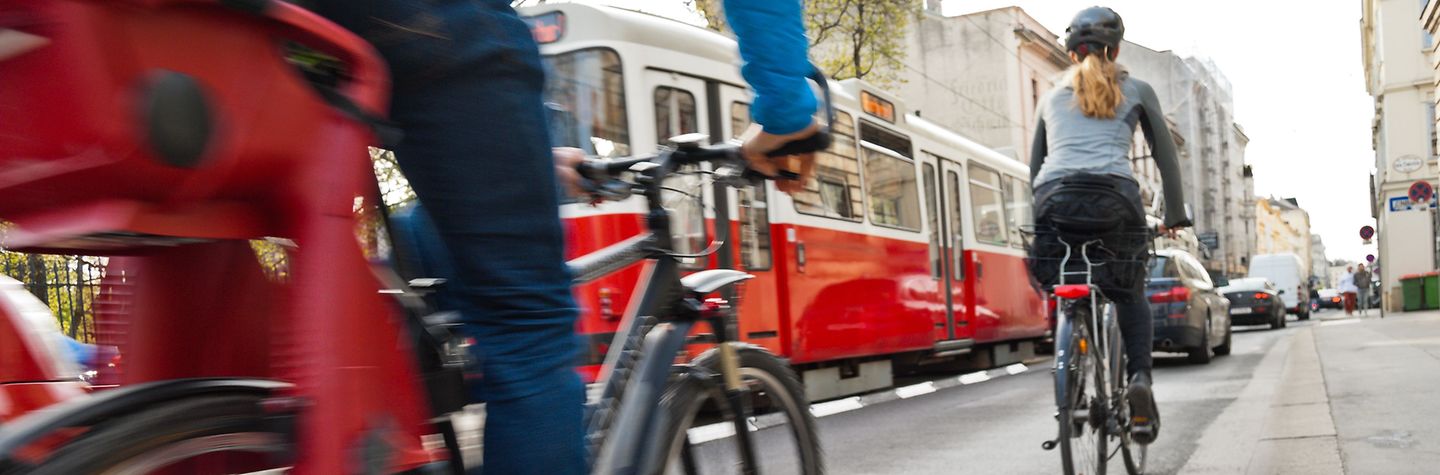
x,y
1382,378
1346,395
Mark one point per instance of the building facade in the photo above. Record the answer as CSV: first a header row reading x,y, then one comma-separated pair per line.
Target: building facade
x,y
1283,227
994,104
1400,75
1196,97
1319,265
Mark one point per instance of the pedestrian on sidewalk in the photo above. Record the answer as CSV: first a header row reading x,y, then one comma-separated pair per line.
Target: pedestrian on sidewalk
x,y
1361,280
1348,289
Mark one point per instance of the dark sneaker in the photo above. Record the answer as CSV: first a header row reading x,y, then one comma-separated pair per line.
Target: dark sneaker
x,y
1144,415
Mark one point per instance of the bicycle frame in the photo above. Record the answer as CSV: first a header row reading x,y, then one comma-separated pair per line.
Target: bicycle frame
x,y
626,439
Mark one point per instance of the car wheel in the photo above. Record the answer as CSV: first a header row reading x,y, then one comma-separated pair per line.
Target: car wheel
x,y
1224,348
1201,354
1277,320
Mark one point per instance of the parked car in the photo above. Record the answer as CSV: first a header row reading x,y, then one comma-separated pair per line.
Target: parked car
x,y
1190,316
1286,271
1331,298
1255,301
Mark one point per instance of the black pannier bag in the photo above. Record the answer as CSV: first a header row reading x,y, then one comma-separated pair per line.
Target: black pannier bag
x,y
1082,208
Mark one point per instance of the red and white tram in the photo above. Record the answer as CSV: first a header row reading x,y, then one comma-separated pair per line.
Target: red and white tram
x,y
904,249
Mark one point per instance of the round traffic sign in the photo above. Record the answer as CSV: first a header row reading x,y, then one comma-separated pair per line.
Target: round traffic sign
x,y
1369,258
1367,232
1421,192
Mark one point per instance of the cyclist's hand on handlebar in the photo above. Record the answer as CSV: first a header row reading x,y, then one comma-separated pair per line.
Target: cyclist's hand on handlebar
x,y
758,143
566,159
1171,232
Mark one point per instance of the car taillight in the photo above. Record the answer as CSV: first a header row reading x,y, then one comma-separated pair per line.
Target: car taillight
x,y
1173,294
1262,296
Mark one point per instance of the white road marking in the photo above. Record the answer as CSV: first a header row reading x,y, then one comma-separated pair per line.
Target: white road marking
x,y
835,407
1338,322
913,390
1016,368
977,377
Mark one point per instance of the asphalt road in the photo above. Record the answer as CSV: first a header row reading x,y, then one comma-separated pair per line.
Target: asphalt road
x,y
996,426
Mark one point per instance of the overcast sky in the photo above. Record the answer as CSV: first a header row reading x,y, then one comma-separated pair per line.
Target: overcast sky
x,y
1298,84
1299,89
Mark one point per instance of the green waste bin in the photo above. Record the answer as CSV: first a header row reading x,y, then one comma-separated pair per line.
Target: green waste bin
x,y
1432,291
1413,288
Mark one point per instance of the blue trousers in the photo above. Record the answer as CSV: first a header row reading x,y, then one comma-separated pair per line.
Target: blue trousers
x,y
467,94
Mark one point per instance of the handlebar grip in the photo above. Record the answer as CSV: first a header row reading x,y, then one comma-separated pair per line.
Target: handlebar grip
x,y
814,143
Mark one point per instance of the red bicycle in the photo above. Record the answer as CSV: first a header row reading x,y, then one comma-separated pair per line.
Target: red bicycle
x,y
168,134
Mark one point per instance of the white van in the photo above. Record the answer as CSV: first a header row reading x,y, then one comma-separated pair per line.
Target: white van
x,y
1286,272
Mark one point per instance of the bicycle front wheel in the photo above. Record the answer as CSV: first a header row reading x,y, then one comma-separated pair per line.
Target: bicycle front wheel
x,y
1083,445
700,430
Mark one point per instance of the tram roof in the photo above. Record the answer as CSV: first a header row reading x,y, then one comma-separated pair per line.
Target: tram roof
x,y
585,23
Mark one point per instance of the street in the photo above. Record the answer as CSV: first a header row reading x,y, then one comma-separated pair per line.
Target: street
x,y
1328,395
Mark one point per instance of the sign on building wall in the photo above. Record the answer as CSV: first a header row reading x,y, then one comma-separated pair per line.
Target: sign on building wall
x,y
1403,203
1408,164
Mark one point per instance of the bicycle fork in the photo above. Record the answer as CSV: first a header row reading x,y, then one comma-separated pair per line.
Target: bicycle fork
x,y
735,388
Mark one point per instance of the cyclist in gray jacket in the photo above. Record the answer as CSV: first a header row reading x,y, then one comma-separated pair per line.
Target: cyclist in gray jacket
x,y
1085,128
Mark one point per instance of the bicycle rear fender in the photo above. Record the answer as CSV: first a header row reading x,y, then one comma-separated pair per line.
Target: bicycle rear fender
x,y
710,281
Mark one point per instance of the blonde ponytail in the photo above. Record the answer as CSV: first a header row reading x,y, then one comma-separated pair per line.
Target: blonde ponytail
x,y
1097,87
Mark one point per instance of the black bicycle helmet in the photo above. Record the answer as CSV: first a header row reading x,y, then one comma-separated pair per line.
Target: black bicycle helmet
x,y
1095,30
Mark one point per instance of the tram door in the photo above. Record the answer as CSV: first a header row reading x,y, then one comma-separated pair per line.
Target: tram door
x,y
948,241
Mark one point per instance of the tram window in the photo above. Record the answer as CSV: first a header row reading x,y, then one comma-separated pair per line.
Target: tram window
x,y
834,190
889,140
754,229
932,208
739,119
754,210
957,233
585,95
1017,207
674,113
987,205
890,185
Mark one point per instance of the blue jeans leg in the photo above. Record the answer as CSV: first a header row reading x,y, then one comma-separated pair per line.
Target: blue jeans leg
x,y
467,94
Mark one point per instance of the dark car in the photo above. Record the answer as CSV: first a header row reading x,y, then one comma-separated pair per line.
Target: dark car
x,y
1331,298
1190,316
1255,301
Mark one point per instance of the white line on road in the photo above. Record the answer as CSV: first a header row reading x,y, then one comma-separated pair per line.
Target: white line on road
x,y
913,390
1339,322
1016,368
835,407
972,378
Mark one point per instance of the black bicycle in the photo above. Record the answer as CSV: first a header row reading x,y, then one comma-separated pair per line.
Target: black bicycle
x,y
1089,368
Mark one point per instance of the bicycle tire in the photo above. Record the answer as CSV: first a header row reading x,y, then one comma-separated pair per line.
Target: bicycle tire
x,y
772,383
1095,407
160,436
1134,455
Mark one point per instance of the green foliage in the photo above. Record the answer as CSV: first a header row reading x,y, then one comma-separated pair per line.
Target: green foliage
x,y
67,284
860,38
848,38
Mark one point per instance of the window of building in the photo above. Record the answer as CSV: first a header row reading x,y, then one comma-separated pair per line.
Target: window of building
x,y
834,190
585,99
987,205
932,208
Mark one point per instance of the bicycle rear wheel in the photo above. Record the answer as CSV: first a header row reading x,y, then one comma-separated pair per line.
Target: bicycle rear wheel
x,y
699,423
1083,444
202,435
1132,453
